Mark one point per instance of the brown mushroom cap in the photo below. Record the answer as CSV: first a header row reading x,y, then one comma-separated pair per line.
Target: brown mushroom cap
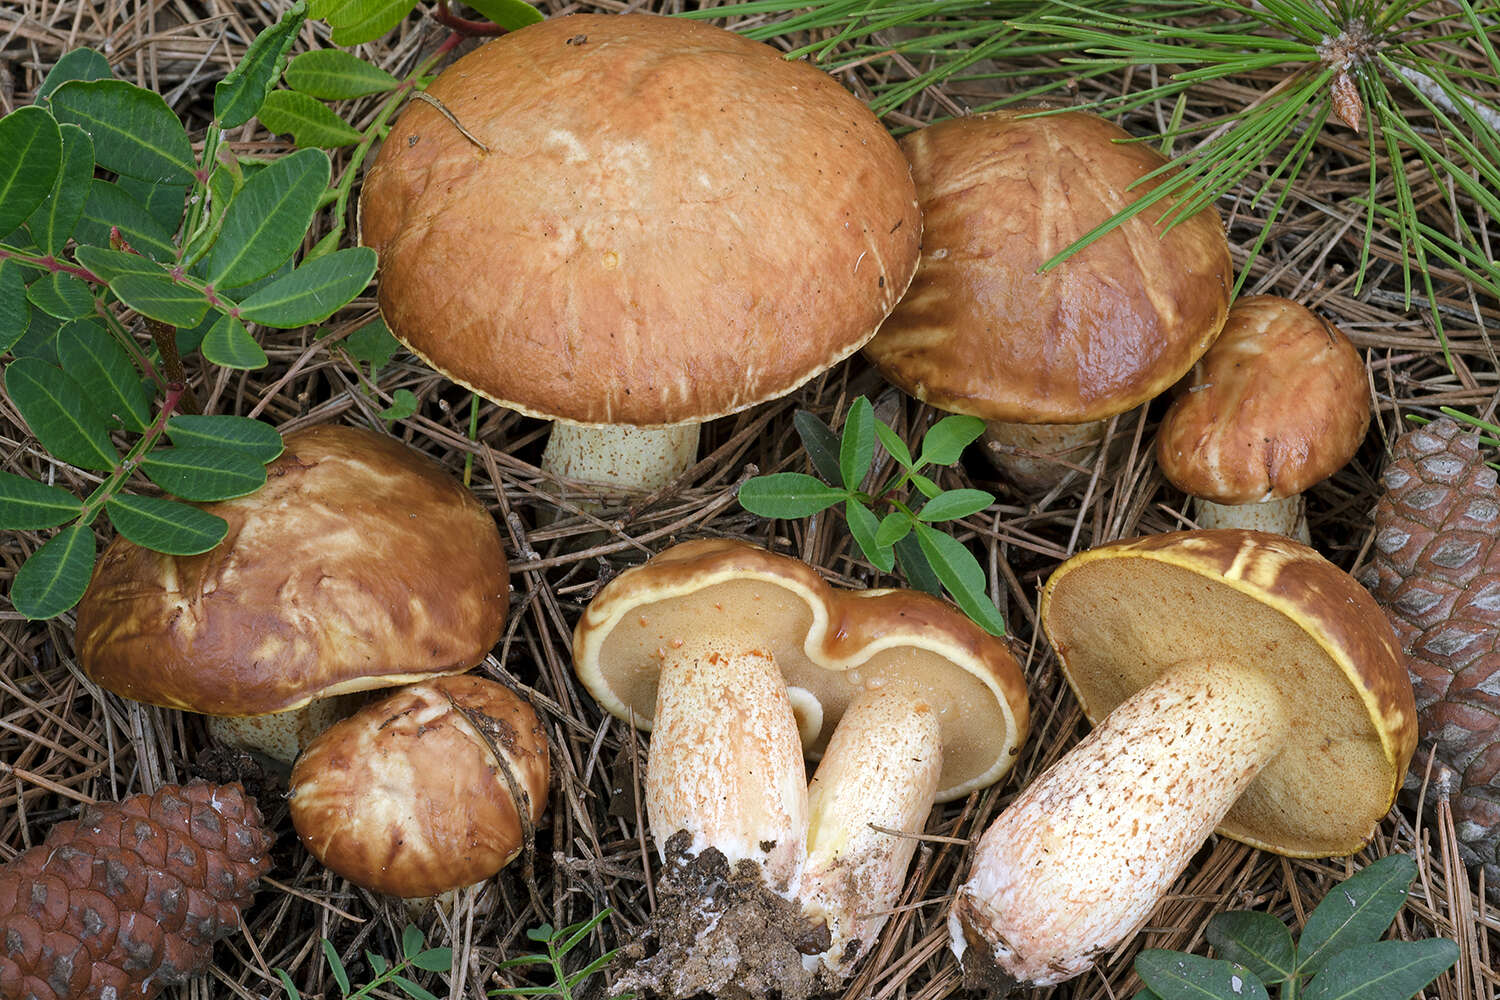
x,y
1121,614
829,643
1278,404
982,332
671,223
406,796
360,564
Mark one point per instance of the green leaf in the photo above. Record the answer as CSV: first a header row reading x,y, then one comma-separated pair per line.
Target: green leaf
x,y
61,295
434,960
893,444
230,345
403,405
79,64
372,344
893,527
355,22
411,941
1173,975
1258,941
63,419
109,264
31,154
240,94
309,123
27,505
336,966
203,473
110,205
925,486
55,218
56,575
1382,970
163,202
411,989
955,504
288,985
40,339
788,494
15,308
267,221
947,439
961,576
1356,911
161,298
863,525
509,14
857,447
165,525
312,292
134,131
377,962
336,75
820,443
914,566
105,373
258,440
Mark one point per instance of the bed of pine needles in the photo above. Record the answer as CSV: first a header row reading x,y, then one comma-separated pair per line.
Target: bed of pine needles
x,y
63,742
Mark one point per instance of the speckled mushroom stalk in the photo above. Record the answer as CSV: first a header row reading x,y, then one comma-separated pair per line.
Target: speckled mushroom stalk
x,y
1283,515
620,455
1076,863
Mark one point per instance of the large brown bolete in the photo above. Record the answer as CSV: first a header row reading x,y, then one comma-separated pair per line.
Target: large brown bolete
x,y
1239,682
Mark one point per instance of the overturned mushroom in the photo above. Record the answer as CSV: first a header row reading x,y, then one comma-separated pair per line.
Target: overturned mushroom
x,y
1239,681
739,661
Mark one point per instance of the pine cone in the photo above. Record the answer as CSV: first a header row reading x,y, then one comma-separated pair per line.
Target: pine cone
x,y
1437,572
130,897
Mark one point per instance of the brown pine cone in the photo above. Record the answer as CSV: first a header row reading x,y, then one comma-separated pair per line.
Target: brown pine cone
x,y
1437,573
130,897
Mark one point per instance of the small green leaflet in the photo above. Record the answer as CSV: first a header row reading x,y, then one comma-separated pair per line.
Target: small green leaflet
x,y
820,443
229,345
79,64
254,438
403,405
204,473
1382,970
312,292
61,295
336,75
1173,974
105,373
161,298
63,419
134,131
165,525
340,975
1256,940
110,205
55,218
107,265
508,14
308,122
27,505
1357,911
947,439
865,527
31,155
857,448
15,309
954,504
961,575
788,494
372,344
355,22
163,202
56,575
240,94
268,219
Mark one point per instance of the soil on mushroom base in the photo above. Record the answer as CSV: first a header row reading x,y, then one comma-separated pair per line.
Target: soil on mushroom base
x,y
721,930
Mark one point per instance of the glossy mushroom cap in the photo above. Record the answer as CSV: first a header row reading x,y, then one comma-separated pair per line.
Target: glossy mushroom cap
x,y
360,564
982,332
829,645
407,796
667,223
1278,404
1122,614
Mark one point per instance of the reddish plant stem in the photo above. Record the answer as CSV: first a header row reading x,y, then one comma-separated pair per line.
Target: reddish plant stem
x,y
462,25
165,337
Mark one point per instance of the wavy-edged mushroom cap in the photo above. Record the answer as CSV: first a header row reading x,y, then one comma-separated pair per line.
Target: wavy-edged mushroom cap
x,y
667,223
1122,614
983,332
1278,404
829,645
360,564
408,797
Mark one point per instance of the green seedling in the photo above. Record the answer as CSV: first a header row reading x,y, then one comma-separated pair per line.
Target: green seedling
x,y
559,944
414,955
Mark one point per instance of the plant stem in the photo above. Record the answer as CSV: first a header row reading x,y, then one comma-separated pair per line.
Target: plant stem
x,y
464,26
117,476
166,344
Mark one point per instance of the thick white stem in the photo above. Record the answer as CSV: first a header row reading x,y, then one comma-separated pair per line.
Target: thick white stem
x,y
621,456
279,735
881,769
1040,456
725,762
1287,516
1075,865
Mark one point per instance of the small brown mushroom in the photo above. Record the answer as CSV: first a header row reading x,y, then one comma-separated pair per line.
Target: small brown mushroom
x,y
432,788
1196,654
1278,404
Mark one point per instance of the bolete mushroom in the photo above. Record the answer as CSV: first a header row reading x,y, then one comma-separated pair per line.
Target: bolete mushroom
x,y
360,564
1238,681
1046,357
1277,405
430,789
738,661
631,224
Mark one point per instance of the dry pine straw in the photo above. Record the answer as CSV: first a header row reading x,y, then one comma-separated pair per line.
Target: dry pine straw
x,y
62,742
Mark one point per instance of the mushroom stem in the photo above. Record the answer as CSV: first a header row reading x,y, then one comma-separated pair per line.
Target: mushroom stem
x,y
1285,516
1041,456
880,769
725,763
1076,864
278,735
619,455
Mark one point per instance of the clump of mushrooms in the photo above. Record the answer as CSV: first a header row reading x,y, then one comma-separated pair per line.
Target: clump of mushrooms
x,y
1238,681
739,662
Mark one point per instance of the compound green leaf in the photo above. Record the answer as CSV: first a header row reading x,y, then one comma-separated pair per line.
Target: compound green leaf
x,y
30,158
268,219
134,131
336,75
61,416
61,295
79,64
56,575
177,529
15,309
309,122
27,505
962,577
55,218
788,494
240,94
255,438
161,298
312,292
105,372
203,473
110,205
509,14
230,345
